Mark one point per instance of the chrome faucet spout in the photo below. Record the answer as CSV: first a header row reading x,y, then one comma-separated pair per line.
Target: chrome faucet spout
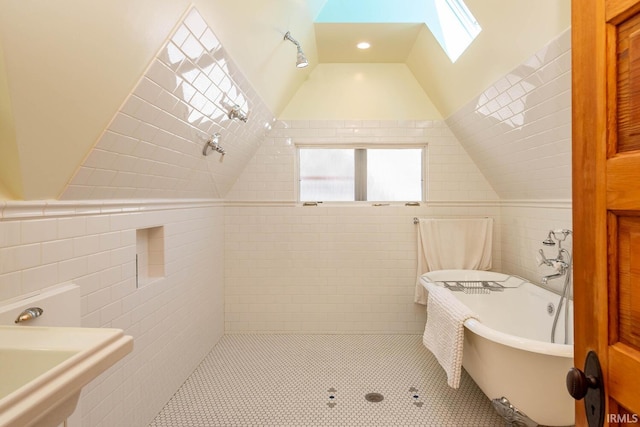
x,y
562,269
545,279
29,314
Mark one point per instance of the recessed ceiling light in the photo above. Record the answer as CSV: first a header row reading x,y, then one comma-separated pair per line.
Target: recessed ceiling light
x,y
363,45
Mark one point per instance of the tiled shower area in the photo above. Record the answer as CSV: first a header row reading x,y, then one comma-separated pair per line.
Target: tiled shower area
x,y
249,308
324,380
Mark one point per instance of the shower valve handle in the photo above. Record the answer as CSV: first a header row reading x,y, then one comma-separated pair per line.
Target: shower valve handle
x,y
543,259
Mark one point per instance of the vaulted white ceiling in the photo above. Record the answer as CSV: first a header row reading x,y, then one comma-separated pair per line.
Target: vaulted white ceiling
x,y
67,66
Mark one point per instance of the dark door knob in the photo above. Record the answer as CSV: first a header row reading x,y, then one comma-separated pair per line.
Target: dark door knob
x,y
578,383
590,386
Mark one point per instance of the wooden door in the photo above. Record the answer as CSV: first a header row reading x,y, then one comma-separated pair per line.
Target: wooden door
x,y
606,198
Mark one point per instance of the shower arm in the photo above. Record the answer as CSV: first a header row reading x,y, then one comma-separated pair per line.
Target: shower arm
x,y
301,59
287,36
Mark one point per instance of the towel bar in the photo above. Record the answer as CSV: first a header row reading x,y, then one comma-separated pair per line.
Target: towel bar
x,y
416,220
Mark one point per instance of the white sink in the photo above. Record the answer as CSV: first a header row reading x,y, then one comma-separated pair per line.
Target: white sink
x,y
43,370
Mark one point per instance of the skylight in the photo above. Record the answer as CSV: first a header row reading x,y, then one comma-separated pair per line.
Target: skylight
x,y
452,25
373,11
450,21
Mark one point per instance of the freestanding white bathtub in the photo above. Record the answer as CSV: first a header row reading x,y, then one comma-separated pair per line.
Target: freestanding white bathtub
x,y
508,352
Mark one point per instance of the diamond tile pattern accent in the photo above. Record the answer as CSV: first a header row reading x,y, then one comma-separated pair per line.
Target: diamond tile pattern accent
x,y
321,380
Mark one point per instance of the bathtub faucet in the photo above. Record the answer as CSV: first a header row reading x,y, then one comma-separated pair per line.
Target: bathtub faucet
x,y
558,263
562,265
561,268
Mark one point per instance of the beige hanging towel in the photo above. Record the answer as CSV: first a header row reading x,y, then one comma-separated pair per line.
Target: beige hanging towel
x,y
456,243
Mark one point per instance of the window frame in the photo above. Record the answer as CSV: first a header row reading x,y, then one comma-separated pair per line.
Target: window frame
x,y
361,184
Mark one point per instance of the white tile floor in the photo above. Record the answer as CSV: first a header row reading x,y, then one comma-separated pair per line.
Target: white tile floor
x,y
321,380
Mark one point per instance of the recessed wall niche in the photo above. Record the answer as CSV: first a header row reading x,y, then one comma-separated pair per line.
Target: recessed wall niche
x,y
149,255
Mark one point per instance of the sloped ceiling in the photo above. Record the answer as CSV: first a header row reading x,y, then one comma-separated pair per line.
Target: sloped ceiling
x,y
511,32
391,43
69,65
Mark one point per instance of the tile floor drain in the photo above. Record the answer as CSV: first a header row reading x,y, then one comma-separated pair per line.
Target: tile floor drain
x,y
374,397
415,396
332,396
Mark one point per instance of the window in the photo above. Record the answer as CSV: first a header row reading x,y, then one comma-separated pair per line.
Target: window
x,y
327,174
361,174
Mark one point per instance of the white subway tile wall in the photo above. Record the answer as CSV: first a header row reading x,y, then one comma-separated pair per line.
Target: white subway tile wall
x,y
518,131
182,310
524,227
153,147
271,175
328,269
336,269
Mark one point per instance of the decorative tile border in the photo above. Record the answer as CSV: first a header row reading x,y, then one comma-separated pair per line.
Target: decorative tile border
x,y
10,210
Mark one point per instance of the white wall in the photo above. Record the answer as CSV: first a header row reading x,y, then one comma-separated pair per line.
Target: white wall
x,y
377,91
524,226
511,32
269,264
451,174
328,269
297,269
518,132
94,246
153,147
64,89
337,268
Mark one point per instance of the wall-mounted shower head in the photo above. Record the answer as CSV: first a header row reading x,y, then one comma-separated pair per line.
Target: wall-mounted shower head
x,y
559,235
301,60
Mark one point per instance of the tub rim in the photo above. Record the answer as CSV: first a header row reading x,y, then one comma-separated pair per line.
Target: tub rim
x,y
514,341
526,344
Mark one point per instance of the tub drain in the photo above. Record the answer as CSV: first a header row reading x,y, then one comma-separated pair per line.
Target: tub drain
x,y
374,397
